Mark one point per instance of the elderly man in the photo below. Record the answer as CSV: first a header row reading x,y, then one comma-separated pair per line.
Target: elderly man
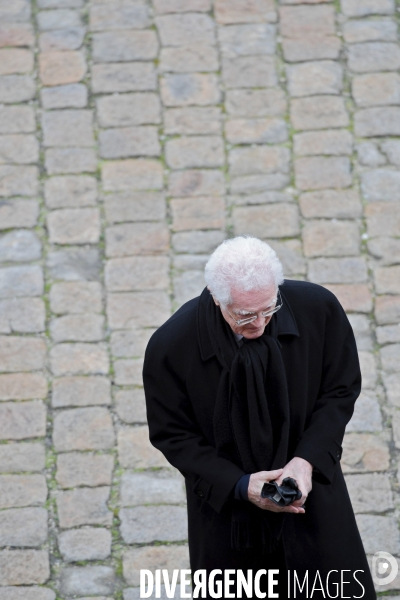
x,y
252,382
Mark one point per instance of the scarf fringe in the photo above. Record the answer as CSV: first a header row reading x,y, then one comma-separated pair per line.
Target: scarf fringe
x,y
246,535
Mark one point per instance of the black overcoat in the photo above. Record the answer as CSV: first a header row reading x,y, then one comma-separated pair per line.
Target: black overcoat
x,y
181,375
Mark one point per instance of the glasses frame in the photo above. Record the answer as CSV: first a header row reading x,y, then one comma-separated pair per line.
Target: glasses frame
x,y
264,314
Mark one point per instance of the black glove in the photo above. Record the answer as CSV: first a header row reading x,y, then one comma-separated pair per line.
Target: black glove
x,y
282,495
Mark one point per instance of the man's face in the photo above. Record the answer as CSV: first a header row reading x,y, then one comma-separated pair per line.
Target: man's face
x,y
245,304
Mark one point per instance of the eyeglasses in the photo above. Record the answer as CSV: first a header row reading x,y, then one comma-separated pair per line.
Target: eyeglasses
x,y
264,314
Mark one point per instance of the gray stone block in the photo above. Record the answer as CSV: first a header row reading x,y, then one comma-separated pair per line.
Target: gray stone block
x,y
70,192
20,246
59,161
81,391
79,359
22,315
247,40
16,88
17,119
73,95
130,310
130,406
22,490
125,77
379,532
22,420
22,457
23,527
76,296
185,29
159,487
370,492
18,213
78,468
129,141
77,328
83,429
60,40
21,354
137,273
21,281
27,593
18,180
123,15
87,580
58,19
122,46
87,543
125,110
144,524
84,506
24,567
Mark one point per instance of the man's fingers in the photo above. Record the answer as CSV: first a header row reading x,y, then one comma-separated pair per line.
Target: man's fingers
x,y
273,474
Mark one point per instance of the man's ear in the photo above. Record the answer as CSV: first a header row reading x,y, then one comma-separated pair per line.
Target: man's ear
x,y
216,301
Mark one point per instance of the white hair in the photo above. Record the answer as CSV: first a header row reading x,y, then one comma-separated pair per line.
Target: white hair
x,y
245,263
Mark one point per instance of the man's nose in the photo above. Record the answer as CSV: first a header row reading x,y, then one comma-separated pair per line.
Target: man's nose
x,y
260,320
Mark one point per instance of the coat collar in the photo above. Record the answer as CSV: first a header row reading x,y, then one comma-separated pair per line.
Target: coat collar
x,y
286,325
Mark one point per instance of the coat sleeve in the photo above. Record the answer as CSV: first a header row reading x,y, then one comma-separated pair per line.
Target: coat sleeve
x,y
174,431
321,442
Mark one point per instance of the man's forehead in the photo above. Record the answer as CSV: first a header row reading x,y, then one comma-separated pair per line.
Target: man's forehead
x,y
253,300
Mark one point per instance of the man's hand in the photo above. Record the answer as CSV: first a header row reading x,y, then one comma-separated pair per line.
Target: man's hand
x,y
301,471
256,483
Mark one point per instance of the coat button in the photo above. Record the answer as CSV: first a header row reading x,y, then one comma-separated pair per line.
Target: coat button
x,y
338,454
200,494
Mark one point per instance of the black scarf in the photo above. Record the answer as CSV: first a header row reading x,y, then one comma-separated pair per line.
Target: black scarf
x,y
251,417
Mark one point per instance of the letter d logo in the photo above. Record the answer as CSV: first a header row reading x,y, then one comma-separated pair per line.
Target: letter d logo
x,y
384,568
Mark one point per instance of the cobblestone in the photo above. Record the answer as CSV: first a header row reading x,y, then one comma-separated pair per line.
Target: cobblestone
x,y
136,174
124,46
318,112
186,89
76,297
364,452
256,103
313,78
322,172
15,458
144,273
336,142
188,59
139,525
88,543
128,109
23,420
23,527
73,95
185,29
61,39
80,391
16,88
79,358
192,120
128,77
83,429
24,567
151,488
331,204
249,72
330,238
377,56
133,206
82,469
61,68
74,226
18,213
70,160
129,141
22,490
136,238
84,506
87,580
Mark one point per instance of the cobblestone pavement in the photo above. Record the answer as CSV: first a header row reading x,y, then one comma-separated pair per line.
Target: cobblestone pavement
x,y
135,136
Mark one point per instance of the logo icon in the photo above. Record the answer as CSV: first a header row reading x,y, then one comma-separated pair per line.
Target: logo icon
x,y
384,568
